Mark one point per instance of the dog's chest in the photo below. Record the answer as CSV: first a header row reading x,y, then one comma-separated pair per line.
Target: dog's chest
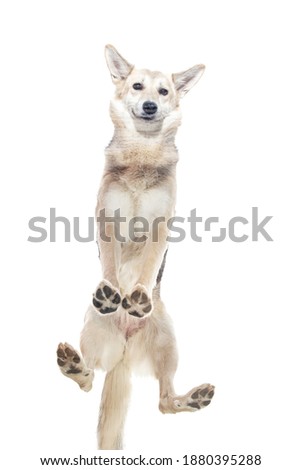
x,y
139,192
141,177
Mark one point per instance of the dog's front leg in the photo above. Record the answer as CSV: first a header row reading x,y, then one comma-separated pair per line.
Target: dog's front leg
x,y
106,298
139,301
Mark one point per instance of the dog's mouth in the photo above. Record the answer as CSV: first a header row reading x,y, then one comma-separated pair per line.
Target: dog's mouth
x,y
144,116
148,118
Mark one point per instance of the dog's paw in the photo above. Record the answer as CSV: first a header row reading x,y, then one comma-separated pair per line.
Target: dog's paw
x,y
196,399
138,303
68,359
200,396
106,299
73,366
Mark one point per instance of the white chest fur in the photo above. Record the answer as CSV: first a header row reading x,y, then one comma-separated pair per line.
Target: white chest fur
x,y
147,204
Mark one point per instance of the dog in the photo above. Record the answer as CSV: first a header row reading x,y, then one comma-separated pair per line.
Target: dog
x,y
126,323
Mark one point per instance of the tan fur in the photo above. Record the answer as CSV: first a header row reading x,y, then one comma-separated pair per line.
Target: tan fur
x,y
127,324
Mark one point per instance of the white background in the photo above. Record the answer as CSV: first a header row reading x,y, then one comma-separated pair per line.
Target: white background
x,y
235,306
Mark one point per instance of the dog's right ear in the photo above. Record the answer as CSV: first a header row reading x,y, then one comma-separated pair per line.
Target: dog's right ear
x,y
184,81
118,66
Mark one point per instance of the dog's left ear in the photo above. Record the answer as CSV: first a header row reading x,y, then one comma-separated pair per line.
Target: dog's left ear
x,y
117,65
185,80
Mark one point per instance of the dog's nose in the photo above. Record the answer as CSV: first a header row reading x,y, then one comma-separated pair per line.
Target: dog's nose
x,y
149,107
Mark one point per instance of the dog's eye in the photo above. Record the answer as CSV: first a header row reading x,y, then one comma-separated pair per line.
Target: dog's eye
x,y
137,86
163,91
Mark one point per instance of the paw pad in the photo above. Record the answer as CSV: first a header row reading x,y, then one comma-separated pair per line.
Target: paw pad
x,y
68,359
138,303
201,396
106,298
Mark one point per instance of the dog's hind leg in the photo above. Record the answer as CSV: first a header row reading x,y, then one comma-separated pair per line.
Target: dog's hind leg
x,y
102,346
72,365
194,400
165,358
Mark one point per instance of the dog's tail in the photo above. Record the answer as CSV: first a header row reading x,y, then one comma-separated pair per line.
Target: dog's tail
x,y
113,407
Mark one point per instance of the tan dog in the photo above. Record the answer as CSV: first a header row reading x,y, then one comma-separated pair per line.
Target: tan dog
x,y
127,322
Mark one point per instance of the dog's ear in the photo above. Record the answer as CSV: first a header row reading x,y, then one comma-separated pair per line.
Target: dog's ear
x,y
118,66
185,80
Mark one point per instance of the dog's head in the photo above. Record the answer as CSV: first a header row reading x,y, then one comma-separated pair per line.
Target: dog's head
x,y
148,97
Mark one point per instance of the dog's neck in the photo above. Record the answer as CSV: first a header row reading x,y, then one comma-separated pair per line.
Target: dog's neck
x,y
140,142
